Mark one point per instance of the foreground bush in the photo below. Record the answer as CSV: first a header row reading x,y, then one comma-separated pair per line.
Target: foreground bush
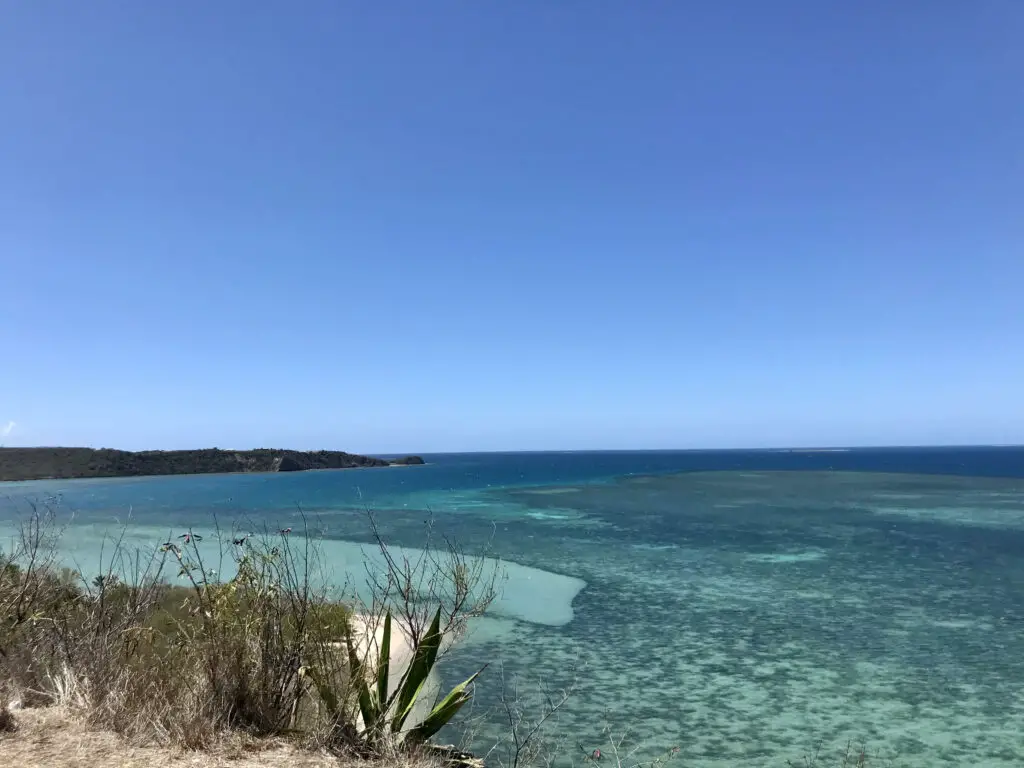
x,y
265,652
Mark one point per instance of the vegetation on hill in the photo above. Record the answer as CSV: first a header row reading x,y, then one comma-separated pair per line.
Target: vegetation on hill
x,y
62,463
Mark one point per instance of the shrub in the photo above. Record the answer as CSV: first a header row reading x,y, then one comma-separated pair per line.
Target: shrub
x,y
384,704
265,652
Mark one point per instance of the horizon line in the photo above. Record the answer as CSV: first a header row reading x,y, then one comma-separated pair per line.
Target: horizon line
x,y
805,448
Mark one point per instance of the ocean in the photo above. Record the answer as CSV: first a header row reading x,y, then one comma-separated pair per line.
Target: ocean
x,y
745,607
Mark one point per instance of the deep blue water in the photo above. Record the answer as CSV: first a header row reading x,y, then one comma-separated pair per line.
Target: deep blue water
x,y
744,606
472,471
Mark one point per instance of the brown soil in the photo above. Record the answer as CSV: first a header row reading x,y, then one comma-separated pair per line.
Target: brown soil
x,y
51,738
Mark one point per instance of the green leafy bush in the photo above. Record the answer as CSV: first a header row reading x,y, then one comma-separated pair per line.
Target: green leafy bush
x,y
385,712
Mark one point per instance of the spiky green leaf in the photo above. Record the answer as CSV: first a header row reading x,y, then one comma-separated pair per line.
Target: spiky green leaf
x,y
442,714
423,661
383,665
370,713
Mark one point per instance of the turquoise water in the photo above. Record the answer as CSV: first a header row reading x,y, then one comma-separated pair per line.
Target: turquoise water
x,y
746,607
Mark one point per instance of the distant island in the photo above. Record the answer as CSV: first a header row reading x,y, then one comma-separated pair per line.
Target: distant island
x,y
66,463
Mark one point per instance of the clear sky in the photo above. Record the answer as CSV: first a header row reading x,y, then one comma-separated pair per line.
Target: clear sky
x,y
390,226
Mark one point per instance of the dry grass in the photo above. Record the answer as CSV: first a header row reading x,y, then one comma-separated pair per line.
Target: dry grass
x,y
51,737
215,669
167,665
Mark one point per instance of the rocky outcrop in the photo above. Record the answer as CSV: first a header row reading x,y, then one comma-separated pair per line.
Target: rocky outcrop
x,y
408,460
289,463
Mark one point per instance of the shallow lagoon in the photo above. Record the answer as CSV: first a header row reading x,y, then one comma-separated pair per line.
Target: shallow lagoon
x,y
746,615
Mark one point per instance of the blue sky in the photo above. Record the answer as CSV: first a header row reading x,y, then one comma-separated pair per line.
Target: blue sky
x,y
477,226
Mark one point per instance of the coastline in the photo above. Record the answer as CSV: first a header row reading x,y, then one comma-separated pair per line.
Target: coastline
x,y
695,585
60,463
4,483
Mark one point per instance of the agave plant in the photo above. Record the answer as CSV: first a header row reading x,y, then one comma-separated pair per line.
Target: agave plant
x,y
384,716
